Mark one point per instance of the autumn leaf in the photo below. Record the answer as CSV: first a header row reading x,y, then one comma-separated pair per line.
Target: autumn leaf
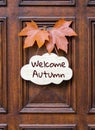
x,y
58,35
34,34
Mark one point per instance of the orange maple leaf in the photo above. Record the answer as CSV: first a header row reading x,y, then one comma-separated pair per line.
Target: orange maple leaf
x,y
58,35
34,34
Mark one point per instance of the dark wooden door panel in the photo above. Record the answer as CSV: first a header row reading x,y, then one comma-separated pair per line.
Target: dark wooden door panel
x,y
67,106
58,98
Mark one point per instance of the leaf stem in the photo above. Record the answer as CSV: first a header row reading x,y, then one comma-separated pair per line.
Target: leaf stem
x,y
56,50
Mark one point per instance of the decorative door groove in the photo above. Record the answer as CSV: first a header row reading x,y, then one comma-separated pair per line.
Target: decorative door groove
x,y
47,127
45,2
3,2
3,66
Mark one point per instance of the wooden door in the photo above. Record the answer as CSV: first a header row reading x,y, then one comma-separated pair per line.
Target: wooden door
x,y
67,106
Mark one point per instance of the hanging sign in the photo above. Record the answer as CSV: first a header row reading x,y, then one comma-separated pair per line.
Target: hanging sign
x,y
46,69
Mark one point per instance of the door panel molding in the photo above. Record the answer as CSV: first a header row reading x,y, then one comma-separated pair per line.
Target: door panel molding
x,y
45,2
91,64
30,92
3,126
91,127
3,2
47,126
91,2
3,66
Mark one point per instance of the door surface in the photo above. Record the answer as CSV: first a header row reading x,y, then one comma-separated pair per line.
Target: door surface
x,y
67,106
